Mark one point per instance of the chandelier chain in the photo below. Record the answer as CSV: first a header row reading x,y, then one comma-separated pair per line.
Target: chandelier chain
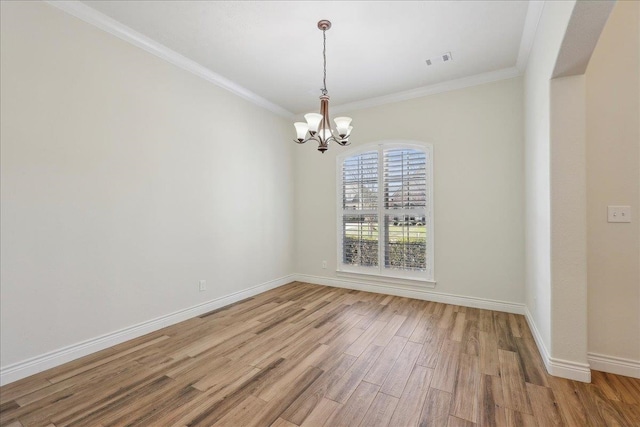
x,y
324,57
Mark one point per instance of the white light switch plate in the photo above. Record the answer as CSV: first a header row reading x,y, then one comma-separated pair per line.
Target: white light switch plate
x,y
618,213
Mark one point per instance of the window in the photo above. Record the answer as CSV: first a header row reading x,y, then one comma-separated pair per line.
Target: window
x,y
385,221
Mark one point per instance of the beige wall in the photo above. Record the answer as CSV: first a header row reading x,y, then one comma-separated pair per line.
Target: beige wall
x,y
568,348
550,32
613,178
125,180
478,173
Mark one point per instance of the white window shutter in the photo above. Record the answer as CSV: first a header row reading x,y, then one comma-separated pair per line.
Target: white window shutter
x,y
385,212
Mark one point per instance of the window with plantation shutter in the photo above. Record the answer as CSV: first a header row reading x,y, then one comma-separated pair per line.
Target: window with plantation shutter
x,y
385,211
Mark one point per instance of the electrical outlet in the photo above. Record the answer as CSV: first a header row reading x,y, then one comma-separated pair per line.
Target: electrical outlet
x,y
202,285
618,213
324,264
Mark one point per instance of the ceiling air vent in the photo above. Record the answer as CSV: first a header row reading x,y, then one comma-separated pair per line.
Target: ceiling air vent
x,y
445,57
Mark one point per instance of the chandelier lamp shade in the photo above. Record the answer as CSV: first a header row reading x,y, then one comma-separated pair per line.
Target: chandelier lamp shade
x,y
318,126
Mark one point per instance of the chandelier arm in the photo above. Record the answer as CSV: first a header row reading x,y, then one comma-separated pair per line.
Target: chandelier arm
x,y
341,141
336,136
334,139
311,138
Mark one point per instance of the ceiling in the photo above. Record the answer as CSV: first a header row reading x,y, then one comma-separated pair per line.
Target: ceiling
x,y
376,50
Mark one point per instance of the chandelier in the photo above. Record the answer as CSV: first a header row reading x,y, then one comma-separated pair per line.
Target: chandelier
x,y
318,127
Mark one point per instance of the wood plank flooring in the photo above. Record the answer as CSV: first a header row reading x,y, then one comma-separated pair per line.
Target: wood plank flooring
x,y
307,355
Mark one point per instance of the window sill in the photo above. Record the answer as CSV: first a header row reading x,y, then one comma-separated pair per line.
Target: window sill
x,y
394,280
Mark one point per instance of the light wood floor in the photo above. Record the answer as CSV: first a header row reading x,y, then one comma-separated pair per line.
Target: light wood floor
x,y
311,356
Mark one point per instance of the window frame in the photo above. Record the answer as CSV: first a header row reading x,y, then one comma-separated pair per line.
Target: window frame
x,y
380,272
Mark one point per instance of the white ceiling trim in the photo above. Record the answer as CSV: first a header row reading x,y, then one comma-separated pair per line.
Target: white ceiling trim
x,y
534,12
477,79
110,25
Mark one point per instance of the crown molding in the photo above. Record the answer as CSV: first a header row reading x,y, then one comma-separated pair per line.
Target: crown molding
x,y
534,12
110,25
477,79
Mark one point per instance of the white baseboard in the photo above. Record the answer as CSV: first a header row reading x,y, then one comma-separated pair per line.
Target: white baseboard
x,y
412,292
570,370
558,367
542,349
57,357
614,365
